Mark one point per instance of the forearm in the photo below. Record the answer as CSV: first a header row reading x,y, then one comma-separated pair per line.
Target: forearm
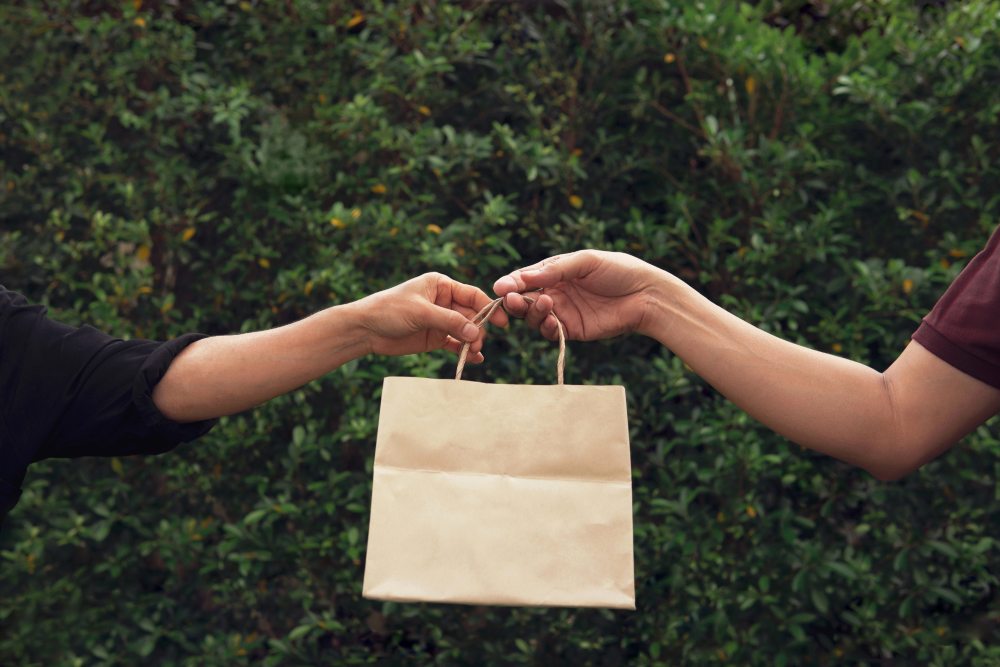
x,y
827,403
223,375
890,423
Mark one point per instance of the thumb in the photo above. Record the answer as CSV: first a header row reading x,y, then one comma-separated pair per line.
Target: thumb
x,y
453,323
548,273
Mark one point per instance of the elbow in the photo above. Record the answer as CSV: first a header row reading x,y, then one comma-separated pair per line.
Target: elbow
x,y
166,401
893,454
897,457
890,472
908,433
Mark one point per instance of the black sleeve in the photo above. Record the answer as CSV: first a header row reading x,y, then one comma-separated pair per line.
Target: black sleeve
x,y
75,391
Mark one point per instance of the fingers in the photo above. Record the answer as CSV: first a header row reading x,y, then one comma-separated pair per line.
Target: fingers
x,y
539,311
515,304
466,299
533,313
462,294
538,314
474,356
499,318
548,272
514,282
550,328
451,323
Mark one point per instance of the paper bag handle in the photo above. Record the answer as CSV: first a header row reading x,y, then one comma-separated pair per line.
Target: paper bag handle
x,y
486,313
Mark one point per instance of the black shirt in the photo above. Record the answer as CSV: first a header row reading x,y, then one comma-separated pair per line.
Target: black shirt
x,y
75,391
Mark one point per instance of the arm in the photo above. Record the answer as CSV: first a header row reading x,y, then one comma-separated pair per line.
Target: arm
x,y
889,423
227,374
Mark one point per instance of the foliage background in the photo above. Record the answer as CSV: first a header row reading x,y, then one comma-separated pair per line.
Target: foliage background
x,y
823,169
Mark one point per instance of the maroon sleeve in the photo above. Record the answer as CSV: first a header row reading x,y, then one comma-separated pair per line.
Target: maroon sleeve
x,y
963,328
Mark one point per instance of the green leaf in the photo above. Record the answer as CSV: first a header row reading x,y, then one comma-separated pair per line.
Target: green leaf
x,y
820,600
255,516
842,569
943,548
947,594
144,647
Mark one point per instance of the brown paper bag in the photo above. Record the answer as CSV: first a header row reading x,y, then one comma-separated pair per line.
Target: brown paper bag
x,y
501,494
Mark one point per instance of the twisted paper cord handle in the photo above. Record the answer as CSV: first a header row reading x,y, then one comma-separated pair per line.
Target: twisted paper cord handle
x,y
483,316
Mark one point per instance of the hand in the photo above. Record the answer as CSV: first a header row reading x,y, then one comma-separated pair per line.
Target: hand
x,y
596,294
430,312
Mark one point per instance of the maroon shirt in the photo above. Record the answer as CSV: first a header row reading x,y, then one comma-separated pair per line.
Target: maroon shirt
x,y
963,328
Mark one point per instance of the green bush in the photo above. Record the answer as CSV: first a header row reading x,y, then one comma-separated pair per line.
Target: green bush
x,y
823,169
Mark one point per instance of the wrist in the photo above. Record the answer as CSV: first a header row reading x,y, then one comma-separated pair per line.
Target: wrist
x,y
347,330
662,294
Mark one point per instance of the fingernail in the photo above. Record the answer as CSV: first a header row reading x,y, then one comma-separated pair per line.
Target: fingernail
x,y
469,332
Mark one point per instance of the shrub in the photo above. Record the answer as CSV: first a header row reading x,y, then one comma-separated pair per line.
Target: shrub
x,y
821,169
